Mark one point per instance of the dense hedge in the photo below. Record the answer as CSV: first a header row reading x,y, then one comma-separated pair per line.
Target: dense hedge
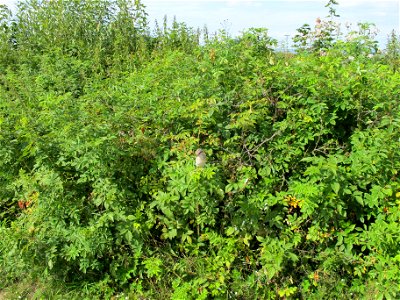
x,y
100,118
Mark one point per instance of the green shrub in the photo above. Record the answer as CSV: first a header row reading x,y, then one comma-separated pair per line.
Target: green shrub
x,y
100,196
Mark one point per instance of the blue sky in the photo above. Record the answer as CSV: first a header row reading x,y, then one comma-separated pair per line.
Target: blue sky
x,y
281,17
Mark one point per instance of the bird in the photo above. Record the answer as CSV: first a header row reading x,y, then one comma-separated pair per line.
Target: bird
x,y
201,158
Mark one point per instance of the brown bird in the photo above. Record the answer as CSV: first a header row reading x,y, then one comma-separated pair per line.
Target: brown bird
x,y
201,158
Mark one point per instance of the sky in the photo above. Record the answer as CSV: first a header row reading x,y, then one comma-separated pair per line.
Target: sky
x,y
281,17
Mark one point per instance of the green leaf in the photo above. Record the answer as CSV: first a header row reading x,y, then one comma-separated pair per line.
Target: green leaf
x,y
128,236
50,264
335,187
230,231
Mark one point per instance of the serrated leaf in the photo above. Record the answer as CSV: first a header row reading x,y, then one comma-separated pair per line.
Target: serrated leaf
x,y
335,187
172,233
128,236
360,200
50,264
230,231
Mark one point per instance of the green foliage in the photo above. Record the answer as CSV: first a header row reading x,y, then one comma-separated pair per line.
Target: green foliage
x,y
99,193
392,51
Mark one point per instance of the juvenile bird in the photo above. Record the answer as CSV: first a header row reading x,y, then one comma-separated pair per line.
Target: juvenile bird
x,y
200,158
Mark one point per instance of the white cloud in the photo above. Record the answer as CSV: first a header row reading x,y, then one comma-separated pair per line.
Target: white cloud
x,y
8,2
239,2
352,3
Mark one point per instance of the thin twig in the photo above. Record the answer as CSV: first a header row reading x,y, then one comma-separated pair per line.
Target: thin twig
x,y
266,140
